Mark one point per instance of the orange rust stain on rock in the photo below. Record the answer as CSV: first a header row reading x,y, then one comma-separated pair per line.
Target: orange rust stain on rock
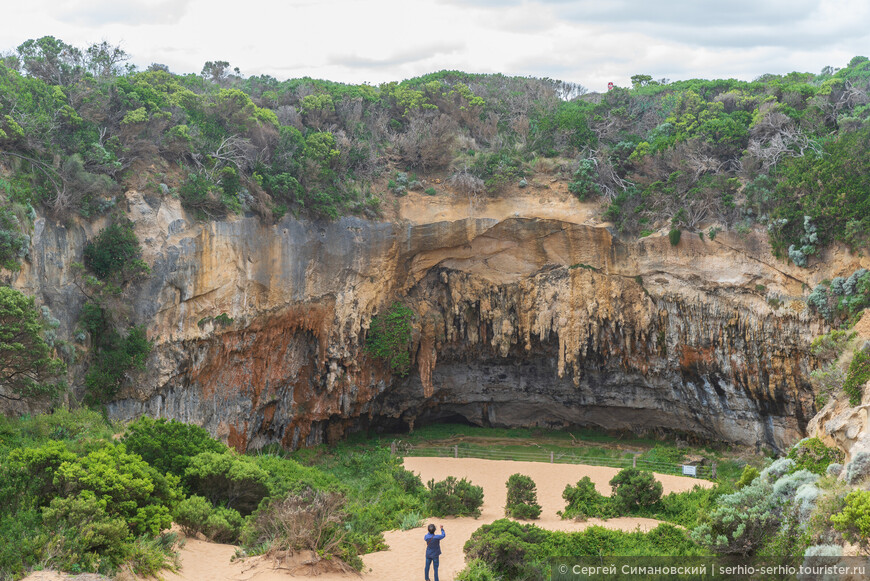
x,y
247,360
238,439
692,358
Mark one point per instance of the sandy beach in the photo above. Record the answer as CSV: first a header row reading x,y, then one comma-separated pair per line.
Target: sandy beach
x,y
404,560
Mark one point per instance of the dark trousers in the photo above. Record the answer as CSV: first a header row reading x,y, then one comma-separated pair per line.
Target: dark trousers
x,y
431,561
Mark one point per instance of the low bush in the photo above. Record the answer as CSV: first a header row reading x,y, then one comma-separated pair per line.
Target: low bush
x,y
507,547
81,534
859,374
389,337
82,430
831,345
674,236
411,520
750,473
131,489
813,455
522,498
168,445
114,253
148,556
684,508
477,570
196,515
452,497
227,479
858,469
742,522
854,520
19,550
522,551
286,475
633,488
310,520
584,501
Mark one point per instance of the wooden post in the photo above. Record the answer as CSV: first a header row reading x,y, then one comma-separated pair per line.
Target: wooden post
x,y
551,457
634,461
456,451
393,448
713,471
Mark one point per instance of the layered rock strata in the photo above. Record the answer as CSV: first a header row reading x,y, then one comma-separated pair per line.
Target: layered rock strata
x,y
528,313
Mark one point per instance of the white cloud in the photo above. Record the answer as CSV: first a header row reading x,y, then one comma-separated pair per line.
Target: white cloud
x,y
133,12
586,41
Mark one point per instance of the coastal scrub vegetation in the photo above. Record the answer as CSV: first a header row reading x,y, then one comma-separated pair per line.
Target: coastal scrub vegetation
x,y
76,498
28,364
784,152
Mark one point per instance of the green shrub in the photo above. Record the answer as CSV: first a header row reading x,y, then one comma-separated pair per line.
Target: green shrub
x,y
522,498
28,366
633,488
202,196
226,478
831,345
477,570
132,489
80,429
812,454
149,556
191,514
585,185
21,546
684,508
114,354
13,244
451,497
743,521
168,445
431,191
583,501
854,520
287,475
507,547
409,481
411,520
859,374
389,338
114,253
196,515
750,473
28,474
81,534
310,520
674,236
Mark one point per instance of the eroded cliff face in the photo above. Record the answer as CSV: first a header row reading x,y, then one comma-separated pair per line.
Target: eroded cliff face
x,y
528,313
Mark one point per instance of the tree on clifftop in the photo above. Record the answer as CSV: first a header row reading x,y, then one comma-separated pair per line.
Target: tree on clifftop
x,y
27,365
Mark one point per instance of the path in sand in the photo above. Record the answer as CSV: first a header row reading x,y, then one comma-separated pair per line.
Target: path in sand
x,y
404,560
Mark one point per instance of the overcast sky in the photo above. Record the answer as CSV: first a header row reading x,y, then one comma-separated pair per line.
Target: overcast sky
x,y
585,41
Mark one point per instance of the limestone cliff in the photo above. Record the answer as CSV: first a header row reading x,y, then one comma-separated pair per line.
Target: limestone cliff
x,y
838,423
529,312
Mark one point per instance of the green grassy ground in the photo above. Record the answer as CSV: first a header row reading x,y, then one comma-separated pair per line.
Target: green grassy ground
x,y
581,445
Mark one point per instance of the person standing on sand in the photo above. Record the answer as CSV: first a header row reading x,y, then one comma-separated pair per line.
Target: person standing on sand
x,y
433,549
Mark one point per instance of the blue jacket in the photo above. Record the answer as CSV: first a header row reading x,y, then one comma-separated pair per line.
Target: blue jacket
x,y
433,545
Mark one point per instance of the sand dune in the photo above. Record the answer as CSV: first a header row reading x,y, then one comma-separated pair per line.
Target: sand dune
x,y
404,560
